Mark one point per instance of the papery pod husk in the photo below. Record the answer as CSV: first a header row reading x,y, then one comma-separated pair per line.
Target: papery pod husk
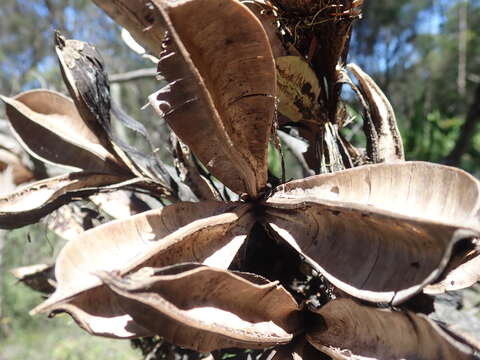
x,y
354,224
221,309
344,329
462,272
31,202
20,172
298,349
140,18
298,89
264,12
87,82
384,142
208,232
50,128
220,96
39,277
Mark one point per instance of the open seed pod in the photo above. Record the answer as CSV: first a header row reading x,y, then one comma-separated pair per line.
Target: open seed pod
x,y
208,232
462,271
221,106
39,277
345,330
375,231
32,202
50,128
11,159
220,309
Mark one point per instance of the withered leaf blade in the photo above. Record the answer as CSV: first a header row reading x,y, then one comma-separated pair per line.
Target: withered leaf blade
x,y
221,88
344,330
208,232
51,129
220,309
30,203
353,225
463,271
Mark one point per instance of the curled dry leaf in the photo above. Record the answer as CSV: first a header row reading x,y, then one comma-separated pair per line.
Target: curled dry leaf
x,y
208,232
462,272
220,309
374,231
31,202
39,277
298,89
222,107
50,128
344,329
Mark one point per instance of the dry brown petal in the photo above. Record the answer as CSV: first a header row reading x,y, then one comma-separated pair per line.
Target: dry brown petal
x,y
220,309
31,202
50,128
221,88
208,232
344,329
379,232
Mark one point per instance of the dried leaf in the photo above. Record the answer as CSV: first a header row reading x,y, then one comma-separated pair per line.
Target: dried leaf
x,y
50,128
31,202
346,330
220,309
209,232
298,89
353,225
221,87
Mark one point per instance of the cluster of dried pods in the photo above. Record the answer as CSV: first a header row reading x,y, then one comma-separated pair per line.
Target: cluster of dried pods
x,y
379,233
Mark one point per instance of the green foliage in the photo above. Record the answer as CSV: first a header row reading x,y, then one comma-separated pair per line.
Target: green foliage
x,y
25,337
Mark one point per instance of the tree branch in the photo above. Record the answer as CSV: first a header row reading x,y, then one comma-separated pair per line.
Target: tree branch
x,y
467,130
133,75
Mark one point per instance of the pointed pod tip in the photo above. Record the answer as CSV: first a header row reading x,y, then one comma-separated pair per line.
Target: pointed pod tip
x,y
59,39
